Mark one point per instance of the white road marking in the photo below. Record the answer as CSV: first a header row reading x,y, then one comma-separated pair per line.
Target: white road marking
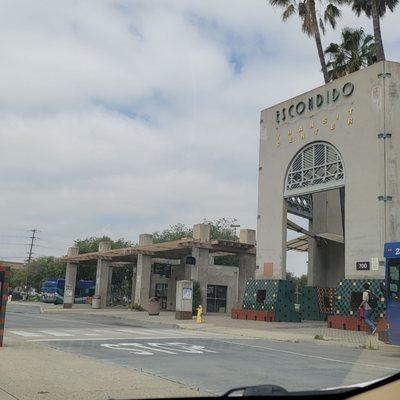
x,y
188,332
184,347
149,349
135,331
26,334
102,330
103,338
55,333
84,332
107,334
310,355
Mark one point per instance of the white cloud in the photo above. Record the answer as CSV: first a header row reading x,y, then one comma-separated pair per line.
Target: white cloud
x,y
122,117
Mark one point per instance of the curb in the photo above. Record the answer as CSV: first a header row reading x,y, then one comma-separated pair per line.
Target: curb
x,y
206,327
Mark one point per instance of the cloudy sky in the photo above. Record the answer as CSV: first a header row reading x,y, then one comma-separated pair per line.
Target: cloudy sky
x,y
123,117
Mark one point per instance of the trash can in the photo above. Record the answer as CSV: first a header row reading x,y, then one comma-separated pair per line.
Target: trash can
x,y
154,306
96,301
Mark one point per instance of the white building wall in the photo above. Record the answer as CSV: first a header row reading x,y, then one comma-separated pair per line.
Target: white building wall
x,y
351,125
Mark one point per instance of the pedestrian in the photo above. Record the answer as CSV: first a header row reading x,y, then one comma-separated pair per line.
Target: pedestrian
x,y
368,304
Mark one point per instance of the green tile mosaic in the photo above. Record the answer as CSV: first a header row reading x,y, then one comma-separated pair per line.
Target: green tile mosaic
x,y
343,300
279,297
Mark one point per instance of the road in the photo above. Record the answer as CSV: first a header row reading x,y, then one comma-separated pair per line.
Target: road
x,y
211,362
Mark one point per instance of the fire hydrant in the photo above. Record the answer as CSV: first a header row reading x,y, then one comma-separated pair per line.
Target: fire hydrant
x,y
200,315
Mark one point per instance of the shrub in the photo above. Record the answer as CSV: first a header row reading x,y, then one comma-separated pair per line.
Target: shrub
x,y
197,297
135,307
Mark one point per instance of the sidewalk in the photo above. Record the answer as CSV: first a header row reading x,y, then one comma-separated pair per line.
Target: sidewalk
x,y
29,371
223,323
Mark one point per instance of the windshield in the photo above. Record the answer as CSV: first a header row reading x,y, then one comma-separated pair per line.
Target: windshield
x,y
198,196
49,286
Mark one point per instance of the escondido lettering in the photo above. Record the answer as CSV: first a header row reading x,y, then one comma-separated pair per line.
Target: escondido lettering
x,y
317,101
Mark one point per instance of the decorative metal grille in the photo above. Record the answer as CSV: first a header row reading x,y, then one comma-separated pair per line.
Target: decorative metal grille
x,y
317,167
300,205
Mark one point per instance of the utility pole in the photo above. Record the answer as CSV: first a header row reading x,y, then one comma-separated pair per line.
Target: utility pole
x,y
31,246
33,237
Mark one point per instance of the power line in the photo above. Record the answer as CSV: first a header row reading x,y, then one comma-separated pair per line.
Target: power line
x,y
2,258
12,236
13,244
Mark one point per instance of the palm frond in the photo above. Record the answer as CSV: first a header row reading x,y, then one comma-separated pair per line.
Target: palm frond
x,y
322,26
290,10
355,51
331,14
280,3
391,4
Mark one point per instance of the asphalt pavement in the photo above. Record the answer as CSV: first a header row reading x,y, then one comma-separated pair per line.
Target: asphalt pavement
x,y
211,362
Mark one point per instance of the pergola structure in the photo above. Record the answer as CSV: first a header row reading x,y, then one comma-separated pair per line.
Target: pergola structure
x,y
193,255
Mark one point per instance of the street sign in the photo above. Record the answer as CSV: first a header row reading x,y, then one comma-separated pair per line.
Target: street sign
x,y
363,266
187,293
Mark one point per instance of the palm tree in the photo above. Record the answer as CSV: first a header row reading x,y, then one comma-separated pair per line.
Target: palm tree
x,y
356,51
311,24
375,9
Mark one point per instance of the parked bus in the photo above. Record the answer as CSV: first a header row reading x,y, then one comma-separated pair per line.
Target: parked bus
x,y
52,291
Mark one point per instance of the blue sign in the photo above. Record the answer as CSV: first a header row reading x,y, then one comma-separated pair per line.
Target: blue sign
x,y
392,285
392,250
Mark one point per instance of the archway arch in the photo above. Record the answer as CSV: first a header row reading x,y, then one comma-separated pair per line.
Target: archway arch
x,y
314,189
315,168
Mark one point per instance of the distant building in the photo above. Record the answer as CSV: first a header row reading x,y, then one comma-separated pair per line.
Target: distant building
x,y
13,264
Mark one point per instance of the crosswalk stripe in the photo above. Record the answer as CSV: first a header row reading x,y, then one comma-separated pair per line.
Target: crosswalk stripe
x,y
138,332
109,333
85,332
183,332
163,332
102,330
26,334
56,333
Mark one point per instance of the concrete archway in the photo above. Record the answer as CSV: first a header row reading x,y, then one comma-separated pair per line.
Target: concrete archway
x,y
316,177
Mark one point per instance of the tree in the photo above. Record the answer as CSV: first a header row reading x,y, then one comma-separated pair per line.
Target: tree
x,y
174,232
375,9
44,268
357,50
122,276
299,281
17,278
91,244
219,229
311,25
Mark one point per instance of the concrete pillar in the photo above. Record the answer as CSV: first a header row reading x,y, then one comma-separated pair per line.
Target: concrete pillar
x,y
271,243
326,266
247,236
110,274
184,299
143,273
247,263
133,283
103,270
199,272
201,232
70,279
